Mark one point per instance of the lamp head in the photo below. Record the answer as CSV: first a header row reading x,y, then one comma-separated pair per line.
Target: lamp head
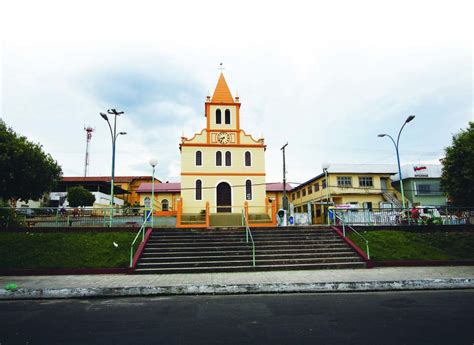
x,y
381,135
104,116
325,166
409,118
123,133
153,162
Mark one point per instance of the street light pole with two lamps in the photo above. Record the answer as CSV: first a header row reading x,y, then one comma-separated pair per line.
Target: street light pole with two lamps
x,y
114,136
409,118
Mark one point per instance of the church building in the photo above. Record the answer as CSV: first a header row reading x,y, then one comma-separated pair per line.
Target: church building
x,y
222,167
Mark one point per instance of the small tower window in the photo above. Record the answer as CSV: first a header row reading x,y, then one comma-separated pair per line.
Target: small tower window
x,y
248,159
248,190
218,116
164,205
228,159
198,190
218,158
227,117
198,158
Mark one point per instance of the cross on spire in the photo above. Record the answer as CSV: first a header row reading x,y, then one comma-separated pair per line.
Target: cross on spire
x,y
221,67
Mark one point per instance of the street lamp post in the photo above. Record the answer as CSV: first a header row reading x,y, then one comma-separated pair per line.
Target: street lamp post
x,y
396,144
285,198
325,167
114,135
153,163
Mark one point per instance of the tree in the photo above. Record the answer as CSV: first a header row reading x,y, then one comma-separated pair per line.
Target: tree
x,y
79,196
26,171
457,178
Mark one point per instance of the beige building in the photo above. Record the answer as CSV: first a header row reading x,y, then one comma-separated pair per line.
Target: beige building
x,y
356,185
222,166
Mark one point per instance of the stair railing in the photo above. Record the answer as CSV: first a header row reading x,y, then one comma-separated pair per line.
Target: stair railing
x,y
344,226
248,234
142,232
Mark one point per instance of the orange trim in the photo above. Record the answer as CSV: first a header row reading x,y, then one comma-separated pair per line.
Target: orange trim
x,y
228,145
208,115
220,174
224,130
237,115
166,213
222,103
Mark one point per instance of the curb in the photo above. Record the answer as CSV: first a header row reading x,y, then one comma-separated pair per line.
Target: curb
x,y
230,289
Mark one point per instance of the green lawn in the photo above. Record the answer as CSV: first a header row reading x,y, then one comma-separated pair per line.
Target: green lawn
x,y
402,245
65,250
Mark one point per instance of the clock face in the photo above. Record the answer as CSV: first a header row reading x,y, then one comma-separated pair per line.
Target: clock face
x,y
223,138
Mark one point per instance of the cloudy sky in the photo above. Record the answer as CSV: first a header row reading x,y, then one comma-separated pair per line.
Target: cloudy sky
x,y
326,77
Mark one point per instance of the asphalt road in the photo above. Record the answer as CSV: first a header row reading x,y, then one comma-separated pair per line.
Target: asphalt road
x,y
428,317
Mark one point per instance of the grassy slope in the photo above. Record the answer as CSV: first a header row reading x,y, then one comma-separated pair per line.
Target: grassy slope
x,y
65,250
400,245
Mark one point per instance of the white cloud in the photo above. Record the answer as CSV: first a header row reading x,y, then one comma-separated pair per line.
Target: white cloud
x,y
324,76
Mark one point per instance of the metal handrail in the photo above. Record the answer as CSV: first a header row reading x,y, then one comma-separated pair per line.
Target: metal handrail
x,y
248,234
142,231
354,230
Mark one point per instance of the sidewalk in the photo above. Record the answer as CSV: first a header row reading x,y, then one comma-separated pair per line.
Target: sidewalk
x,y
108,285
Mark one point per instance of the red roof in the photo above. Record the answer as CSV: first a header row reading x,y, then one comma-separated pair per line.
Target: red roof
x,y
160,188
117,179
277,187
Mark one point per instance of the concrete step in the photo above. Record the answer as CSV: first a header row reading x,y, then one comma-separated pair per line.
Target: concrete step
x,y
246,262
286,267
240,256
155,253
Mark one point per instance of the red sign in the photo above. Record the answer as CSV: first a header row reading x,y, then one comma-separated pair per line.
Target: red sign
x,y
419,168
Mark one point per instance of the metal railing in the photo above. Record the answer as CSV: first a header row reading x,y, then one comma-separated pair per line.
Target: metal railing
x,y
248,234
69,217
344,226
142,232
405,216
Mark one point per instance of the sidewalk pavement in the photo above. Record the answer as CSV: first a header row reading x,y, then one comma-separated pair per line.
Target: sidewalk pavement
x,y
108,285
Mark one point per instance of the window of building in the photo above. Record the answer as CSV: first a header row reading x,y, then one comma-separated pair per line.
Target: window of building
x,y
318,212
228,159
147,202
198,158
219,158
323,184
293,196
366,181
198,190
344,181
298,194
248,159
227,117
218,117
248,190
310,190
164,205
368,205
428,189
304,191
305,208
316,187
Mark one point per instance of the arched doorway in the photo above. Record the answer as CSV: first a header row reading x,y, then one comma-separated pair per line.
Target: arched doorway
x,y
224,197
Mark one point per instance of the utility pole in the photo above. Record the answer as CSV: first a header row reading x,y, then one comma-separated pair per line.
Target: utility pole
x,y
285,199
89,131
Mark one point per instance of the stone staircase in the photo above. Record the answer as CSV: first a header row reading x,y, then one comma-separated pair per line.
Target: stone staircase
x,y
225,250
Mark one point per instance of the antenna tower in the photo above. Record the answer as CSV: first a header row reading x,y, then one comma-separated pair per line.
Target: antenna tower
x,y
89,131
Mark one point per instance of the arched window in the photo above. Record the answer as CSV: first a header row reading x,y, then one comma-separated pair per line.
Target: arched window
x,y
164,205
248,159
248,190
228,159
227,117
198,190
218,158
218,116
198,158
147,202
